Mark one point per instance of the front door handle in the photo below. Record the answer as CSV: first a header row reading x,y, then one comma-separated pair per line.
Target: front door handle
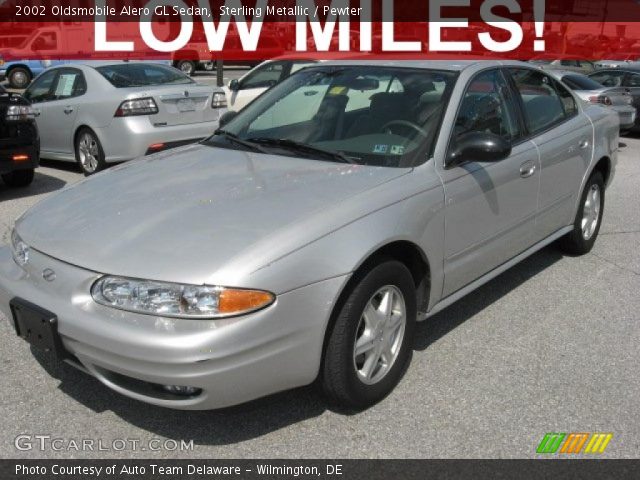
x,y
527,169
68,110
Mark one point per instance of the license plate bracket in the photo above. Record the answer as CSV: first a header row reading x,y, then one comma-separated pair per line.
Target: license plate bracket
x,y
39,327
186,105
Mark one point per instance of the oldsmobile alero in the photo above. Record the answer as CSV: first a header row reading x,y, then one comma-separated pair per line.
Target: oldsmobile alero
x,y
305,238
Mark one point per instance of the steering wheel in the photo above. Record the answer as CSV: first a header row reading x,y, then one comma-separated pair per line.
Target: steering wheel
x,y
405,123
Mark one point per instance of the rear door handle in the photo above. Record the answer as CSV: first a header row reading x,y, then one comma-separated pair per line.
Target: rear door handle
x,y
527,169
68,110
584,144
36,112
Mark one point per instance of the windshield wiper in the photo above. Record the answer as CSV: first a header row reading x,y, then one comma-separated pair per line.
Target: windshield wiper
x,y
301,148
233,138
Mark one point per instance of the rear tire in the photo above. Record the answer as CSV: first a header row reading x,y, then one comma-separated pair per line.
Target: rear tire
x,y
588,219
360,377
19,77
89,152
19,178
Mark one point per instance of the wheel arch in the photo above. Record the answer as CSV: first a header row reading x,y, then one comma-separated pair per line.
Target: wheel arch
x,y
604,167
406,252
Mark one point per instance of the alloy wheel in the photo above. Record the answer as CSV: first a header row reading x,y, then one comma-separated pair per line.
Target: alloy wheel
x,y
88,152
379,335
591,212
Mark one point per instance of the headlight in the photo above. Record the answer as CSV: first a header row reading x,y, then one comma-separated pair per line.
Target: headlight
x,y
19,249
177,300
20,112
219,100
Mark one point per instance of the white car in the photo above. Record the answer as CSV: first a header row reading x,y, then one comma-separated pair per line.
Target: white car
x,y
240,92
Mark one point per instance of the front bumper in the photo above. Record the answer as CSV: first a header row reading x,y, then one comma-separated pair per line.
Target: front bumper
x,y
126,138
232,360
21,139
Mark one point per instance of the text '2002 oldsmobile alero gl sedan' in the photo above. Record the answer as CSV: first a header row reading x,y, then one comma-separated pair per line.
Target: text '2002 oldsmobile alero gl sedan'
x,y
306,237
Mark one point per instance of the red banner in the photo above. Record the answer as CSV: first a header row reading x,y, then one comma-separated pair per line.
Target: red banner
x,y
260,29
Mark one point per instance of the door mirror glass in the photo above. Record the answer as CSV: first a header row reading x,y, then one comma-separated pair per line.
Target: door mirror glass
x,y
478,147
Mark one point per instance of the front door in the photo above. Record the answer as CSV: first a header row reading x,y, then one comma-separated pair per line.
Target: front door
x,y
490,206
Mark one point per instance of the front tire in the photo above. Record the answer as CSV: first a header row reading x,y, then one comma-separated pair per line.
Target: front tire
x,y
19,178
187,67
19,77
371,342
588,219
89,152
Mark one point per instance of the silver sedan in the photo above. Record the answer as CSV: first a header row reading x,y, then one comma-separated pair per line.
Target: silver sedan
x,y
305,239
105,112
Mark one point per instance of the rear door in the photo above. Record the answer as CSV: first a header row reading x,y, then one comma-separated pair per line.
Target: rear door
x,y
490,206
564,138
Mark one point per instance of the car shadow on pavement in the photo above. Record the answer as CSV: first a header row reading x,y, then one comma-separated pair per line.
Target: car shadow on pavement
x,y
260,417
42,183
453,316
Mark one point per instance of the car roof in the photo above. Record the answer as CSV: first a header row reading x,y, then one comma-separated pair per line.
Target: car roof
x,y
448,65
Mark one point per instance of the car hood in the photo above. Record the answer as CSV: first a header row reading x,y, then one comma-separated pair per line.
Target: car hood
x,y
181,215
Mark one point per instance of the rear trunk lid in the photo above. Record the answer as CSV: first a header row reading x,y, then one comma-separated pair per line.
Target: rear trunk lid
x,y
180,104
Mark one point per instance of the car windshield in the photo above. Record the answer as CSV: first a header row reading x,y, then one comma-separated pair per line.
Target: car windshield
x,y
142,74
581,82
370,115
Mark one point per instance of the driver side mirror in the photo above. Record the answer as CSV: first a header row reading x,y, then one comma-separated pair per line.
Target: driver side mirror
x,y
234,85
478,147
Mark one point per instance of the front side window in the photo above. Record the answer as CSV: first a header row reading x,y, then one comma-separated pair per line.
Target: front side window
x,y
486,108
545,101
387,116
40,90
126,75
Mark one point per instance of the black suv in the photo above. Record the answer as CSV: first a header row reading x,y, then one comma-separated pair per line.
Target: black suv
x,y
19,140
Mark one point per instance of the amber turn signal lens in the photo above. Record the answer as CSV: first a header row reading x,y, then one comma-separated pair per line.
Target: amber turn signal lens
x,y
233,301
20,158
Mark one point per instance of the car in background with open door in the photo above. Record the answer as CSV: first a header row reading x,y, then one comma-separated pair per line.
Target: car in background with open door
x,y
240,92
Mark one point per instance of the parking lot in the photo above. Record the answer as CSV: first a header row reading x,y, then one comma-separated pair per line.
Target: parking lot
x,y
549,346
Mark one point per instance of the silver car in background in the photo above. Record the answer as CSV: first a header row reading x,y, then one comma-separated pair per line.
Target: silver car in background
x,y
305,239
617,99
105,112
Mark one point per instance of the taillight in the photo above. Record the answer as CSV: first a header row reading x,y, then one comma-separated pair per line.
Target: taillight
x,y
600,99
219,100
20,112
137,106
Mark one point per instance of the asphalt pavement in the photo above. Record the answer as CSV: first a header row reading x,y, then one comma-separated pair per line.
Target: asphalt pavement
x,y
552,345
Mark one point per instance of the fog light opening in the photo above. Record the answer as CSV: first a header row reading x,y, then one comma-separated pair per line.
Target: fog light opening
x,y
181,390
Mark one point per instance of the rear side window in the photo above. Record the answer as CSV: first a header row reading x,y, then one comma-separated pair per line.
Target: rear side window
x,y
608,78
127,75
633,80
546,102
70,83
